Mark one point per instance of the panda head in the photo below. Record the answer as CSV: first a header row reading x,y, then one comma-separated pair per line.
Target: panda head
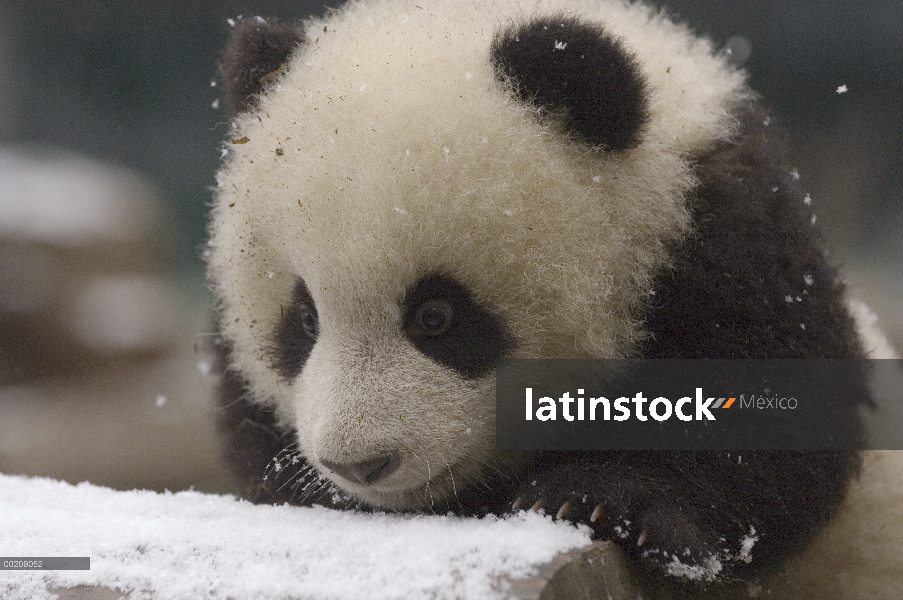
x,y
413,191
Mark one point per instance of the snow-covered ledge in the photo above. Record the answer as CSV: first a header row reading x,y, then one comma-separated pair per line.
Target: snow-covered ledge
x,y
192,545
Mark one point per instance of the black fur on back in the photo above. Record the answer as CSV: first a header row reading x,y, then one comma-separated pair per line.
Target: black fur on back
x,y
753,280
564,64
256,50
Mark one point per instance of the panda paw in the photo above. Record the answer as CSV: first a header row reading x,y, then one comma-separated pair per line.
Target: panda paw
x,y
671,543
659,536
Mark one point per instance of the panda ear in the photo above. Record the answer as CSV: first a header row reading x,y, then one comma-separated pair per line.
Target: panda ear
x,y
564,64
256,50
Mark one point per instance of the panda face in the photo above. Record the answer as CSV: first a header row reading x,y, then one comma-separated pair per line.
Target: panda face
x,y
389,443
414,199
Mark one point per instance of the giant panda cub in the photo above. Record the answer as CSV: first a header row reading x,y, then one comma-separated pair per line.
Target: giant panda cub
x,y
414,190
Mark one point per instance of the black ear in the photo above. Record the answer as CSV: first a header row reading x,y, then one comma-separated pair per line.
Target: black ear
x,y
563,64
256,49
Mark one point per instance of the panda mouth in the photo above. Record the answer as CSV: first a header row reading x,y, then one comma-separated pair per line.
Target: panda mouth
x,y
371,481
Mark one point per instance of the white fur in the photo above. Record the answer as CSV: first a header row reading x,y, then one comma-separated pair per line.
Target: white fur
x,y
402,155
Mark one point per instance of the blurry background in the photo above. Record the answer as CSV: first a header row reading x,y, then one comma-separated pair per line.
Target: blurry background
x,y
110,126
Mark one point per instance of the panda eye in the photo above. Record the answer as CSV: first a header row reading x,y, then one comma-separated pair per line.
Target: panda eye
x,y
296,333
310,323
442,320
433,318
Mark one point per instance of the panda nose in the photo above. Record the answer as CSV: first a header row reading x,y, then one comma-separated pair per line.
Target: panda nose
x,y
366,472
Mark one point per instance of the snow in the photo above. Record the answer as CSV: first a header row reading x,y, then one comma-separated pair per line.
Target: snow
x,y
738,49
746,544
198,546
707,571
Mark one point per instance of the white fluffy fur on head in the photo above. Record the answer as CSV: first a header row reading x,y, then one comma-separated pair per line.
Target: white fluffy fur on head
x,y
390,151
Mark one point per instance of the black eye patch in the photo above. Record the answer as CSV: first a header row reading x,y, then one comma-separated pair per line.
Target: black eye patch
x,y
443,322
296,333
